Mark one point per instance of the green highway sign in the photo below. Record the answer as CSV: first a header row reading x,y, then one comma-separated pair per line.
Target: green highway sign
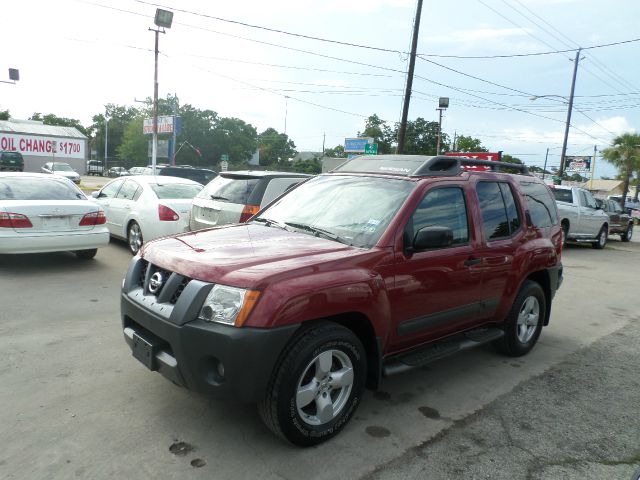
x,y
224,157
371,149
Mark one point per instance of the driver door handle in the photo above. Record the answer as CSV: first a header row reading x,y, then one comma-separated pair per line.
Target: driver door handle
x,y
472,261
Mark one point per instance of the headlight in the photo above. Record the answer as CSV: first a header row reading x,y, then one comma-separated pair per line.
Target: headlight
x,y
228,305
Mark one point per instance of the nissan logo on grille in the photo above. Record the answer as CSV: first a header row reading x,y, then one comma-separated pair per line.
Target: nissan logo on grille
x,y
156,282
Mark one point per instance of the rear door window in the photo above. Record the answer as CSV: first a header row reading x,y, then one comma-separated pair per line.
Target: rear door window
x,y
111,189
562,195
540,204
230,189
494,210
128,190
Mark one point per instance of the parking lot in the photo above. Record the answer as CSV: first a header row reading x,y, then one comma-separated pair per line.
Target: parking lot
x,y
75,404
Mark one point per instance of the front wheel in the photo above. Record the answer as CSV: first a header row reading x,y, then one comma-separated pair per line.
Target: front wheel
x,y
601,239
316,387
524,322
134,237
626,236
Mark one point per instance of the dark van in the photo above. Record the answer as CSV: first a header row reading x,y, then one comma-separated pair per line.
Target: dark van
x,y
11,161
200,175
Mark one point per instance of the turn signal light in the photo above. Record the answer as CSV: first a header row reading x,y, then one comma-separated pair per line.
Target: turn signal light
x,y
166,214
14,220
248,211
92,219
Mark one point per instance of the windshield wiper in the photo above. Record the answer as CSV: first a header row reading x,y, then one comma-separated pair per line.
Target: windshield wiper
x,y
316,230
215,197
270,223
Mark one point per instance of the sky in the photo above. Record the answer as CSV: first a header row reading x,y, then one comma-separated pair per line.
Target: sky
x,y
251,60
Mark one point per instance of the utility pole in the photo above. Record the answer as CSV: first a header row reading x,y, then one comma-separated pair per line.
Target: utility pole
x,y
286,106
439,131
593,166
455,138
544,169
175,125
324,136
106,139
569,109
407,93
154,141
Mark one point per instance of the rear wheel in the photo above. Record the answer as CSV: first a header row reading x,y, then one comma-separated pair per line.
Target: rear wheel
x,y
601,239
524,322
565,233
86,254
134,237
316,387
626,236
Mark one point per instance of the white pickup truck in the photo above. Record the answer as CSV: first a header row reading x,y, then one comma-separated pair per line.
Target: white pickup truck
x,y
581,218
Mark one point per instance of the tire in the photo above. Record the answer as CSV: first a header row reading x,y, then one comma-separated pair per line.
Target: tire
x,y
306,401
86,254
626,236
134,237
601,239
524,322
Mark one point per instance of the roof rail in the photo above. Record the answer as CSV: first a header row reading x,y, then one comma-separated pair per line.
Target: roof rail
x,y
444,165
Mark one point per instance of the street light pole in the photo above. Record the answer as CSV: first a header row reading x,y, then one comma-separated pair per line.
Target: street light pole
x,y
106,140
569,109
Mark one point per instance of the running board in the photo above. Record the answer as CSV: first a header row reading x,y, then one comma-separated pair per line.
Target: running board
x,y
441,349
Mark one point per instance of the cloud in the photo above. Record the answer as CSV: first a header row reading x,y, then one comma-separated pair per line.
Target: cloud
x,y
475,35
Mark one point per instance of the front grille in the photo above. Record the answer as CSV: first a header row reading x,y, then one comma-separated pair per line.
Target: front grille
x,y
176,295
173,283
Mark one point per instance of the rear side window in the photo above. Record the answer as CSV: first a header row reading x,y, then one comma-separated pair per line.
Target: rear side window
x,y
563,195
13,188
443,207
540,203
276,187
128,190
230,189
497,206
175,190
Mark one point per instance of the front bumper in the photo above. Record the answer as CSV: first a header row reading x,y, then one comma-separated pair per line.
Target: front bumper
x,y
205,357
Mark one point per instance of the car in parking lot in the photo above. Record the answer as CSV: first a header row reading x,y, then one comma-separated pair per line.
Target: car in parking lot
x,y
95,167
117,172
620,222
63,169
145,207
48,213
234,197
385,264
200,175
11,161
140,171
581,218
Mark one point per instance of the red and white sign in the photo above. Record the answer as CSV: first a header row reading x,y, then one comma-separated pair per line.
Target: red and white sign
x,y
165,125
490,156
37,146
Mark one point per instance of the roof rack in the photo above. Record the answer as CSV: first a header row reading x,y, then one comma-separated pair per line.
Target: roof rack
x,y
421,165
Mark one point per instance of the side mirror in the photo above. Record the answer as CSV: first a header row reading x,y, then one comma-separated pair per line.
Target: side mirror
x,y
433,237
95,194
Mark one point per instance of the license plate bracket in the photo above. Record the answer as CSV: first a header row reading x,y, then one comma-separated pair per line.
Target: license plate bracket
x,y
145,351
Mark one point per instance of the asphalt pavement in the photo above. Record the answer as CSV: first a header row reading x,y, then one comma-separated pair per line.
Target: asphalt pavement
x,y
75,404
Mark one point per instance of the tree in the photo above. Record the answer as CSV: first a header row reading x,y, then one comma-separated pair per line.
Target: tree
x,y
52,119
335,152
119,118
421,137
624,154
275,147
312,166
469,144
510,159
234,137
382,134
5,115
135,145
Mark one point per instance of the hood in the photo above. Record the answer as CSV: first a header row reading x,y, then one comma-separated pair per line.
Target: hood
x,y
243,255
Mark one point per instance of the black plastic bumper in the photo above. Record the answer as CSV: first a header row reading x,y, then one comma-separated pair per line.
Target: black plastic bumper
x,y
206,357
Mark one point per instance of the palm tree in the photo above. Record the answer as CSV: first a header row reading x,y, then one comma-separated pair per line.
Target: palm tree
x,y
624,154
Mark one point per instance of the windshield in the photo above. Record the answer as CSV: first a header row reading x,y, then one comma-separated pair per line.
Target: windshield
x,y
352,210
38,188
63,167
175,190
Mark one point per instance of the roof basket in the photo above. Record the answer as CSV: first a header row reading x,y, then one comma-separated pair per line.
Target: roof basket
x,y
443,165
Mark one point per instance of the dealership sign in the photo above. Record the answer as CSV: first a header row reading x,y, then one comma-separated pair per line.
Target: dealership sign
x,y
490,156
357,145
38,146
577,164
165,125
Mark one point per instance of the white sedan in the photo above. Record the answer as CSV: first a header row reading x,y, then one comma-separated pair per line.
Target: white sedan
x,y
145,207
48,213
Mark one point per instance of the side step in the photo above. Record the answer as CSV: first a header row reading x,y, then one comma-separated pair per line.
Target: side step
x,y
441,349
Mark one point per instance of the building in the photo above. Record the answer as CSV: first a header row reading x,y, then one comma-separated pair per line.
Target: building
x,y
39,143
604,188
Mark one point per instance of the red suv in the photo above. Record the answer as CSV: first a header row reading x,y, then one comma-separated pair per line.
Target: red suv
x,y
385,264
